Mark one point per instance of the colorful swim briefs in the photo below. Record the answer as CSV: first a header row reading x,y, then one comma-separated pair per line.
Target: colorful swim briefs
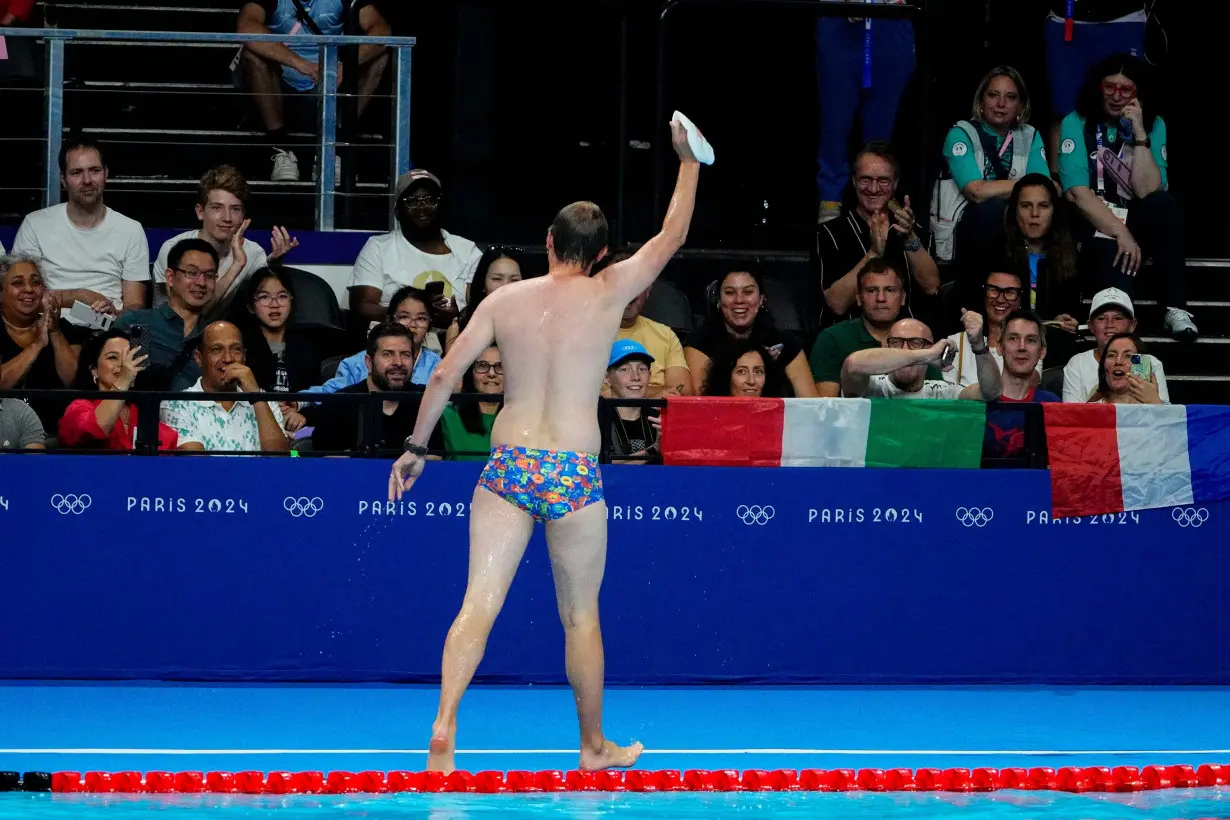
x,y
547,484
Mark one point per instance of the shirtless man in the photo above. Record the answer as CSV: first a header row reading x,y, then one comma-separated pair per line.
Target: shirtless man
x,y
555,334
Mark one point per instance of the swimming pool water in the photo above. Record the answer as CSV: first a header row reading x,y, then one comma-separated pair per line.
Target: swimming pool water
x,y
1187,804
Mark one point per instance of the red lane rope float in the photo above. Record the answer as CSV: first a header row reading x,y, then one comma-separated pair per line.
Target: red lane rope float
x,y
1069,779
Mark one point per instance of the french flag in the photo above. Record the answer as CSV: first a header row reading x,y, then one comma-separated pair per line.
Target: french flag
x,y
1108,458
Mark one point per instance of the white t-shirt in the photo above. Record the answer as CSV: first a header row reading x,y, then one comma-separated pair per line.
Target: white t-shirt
x,y
882,387
965,367
390,262
257,259
98,259
1080,378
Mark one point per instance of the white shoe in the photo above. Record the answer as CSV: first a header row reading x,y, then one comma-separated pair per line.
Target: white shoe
x,y
1179,324
285,166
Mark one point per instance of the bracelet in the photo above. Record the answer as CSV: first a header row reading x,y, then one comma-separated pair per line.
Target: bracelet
x,y
416,449
914,244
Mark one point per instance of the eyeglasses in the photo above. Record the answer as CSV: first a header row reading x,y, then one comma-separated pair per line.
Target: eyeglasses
x,y
1119,89
874,182
411,319
912,342
481,366
996,292
282,298
196,274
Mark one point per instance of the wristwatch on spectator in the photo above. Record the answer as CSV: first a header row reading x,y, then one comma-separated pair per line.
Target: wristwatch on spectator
x,y
978,351
913,244
417,449
1143,142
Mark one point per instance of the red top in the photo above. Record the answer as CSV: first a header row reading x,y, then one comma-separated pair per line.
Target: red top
x,y
80,427
18,8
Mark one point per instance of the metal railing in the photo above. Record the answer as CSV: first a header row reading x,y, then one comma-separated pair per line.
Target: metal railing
x,y
820,8
370,405
327,113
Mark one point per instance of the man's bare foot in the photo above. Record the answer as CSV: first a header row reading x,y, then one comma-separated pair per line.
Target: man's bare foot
x,y
611,757
440,753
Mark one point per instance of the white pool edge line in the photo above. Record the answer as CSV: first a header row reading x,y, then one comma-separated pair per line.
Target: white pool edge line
x,y
829,752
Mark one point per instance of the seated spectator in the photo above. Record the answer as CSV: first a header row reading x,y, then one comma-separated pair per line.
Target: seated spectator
x,y
1112,163
740,313
1002,296
745,370
20,428
1111,314
878,229
342,426
169,332
420,252
224,425
1022,346
89,253
668,373
1125,376
408,308
38,349
880,298
275,70
1039,241
109,362
285,358
983,157
222,204
634,430
498,267
898,370
466,426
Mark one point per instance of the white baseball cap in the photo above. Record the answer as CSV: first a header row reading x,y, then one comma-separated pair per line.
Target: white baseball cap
x,y
1112,297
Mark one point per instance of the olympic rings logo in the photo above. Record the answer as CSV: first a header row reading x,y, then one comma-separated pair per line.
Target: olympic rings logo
x,y
71,504
1189,516
303,507
755,514
975,516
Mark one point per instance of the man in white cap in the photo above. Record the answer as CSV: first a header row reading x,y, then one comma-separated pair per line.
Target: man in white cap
x,y
419,253
1110,313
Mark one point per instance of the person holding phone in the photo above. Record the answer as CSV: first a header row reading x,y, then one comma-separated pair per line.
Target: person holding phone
x,y
110,361
1126,375
1113,166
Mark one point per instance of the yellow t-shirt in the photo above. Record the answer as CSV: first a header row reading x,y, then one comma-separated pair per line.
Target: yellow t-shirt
x,y
662,344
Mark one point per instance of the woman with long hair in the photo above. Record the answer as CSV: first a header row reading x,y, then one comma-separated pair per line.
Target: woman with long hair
x,y
499,266
466,425
1124,374
745,369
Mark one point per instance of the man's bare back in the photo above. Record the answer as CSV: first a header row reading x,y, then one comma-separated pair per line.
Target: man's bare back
x,y
554,334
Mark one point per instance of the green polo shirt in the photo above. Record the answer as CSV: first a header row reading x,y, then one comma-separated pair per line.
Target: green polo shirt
x,y
836,343
167,344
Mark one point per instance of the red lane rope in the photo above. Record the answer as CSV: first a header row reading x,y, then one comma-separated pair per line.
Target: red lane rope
x,y
1068,779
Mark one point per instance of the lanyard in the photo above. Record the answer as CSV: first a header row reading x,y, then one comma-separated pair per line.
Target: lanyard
x,y
1097,159
867,50
1003,149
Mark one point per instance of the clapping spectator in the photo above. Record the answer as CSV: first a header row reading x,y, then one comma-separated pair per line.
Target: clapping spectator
x,y
499,266
222,208
745,369
1113,165
419,253
1125,376
1111,314
466,426
983,157
169,332
879,229
109,362
740,313
274,70
38,350
898,370
634,430
89,253
225,425
408,308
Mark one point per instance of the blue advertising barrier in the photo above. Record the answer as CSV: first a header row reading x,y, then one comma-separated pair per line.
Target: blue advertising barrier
x,y
296,569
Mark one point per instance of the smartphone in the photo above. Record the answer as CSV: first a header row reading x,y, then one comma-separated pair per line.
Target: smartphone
x,y
1141,367
776,350
434,289
86,315
140,337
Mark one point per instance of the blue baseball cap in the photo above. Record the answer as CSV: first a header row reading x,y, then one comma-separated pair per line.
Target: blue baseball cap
x,y
625,349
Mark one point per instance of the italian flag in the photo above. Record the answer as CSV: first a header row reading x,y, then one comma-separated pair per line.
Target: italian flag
x,y
738,432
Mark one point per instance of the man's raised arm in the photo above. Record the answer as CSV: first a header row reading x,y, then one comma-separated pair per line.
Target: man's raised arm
x,y
632,276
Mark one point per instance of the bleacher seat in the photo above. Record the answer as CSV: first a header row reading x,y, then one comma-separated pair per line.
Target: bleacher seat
x,y
1052,380
315,302
668,304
